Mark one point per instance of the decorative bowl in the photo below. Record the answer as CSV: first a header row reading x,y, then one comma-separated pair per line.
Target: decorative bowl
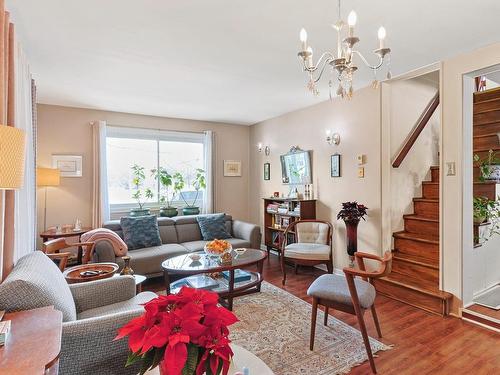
x,y
240,251
194,256
217,248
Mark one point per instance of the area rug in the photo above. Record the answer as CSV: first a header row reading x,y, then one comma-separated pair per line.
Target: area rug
x,y
275,326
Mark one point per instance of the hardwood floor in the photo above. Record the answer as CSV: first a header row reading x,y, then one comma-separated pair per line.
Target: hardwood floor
x,y
485,311
423,343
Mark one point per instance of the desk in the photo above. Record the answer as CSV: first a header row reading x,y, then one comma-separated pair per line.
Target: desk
x,y
34,342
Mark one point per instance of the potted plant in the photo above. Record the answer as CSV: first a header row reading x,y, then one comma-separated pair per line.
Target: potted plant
x,y
137,181
489,167
351,213
481,206
486,211
198,184
172,184
184,334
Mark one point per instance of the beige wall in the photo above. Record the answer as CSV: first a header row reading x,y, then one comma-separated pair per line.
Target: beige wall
x,y
358,122
63,130
452,151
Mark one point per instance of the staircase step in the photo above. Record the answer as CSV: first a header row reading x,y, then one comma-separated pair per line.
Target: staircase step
x,y
426,207
483,96
420,224
488,117
435,174
485,142
414,292
430,189
421,245
487,129
486,189
486,105
417,267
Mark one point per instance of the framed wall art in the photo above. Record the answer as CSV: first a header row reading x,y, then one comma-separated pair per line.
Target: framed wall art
x,y
68,165
267,171
335,165
232,168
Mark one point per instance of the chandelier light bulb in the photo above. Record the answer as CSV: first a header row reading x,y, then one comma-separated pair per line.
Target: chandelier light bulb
x,y
352,18
303,39
381,36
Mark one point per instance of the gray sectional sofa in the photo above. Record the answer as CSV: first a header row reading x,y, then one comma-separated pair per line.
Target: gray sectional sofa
x,y
179,235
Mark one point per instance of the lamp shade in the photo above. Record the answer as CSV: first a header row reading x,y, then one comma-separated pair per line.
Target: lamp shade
x,y
12,145
47,177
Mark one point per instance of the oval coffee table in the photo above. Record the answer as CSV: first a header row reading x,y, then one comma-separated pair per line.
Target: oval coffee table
x,y
227,288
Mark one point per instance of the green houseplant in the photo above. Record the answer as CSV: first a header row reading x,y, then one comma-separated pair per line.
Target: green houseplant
x,y
489,166
199,183
487,210
172,184
137,182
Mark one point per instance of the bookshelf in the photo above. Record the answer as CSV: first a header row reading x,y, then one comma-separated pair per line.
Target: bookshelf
x,y
278,213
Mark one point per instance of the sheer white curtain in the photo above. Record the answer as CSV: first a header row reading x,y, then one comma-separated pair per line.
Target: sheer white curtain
x,y
25,198
100,198
209,193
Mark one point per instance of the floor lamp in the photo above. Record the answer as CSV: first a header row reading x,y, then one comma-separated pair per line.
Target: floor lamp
x,y
46,177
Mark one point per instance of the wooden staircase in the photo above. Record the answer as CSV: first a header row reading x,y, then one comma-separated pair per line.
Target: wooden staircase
x,y
415,271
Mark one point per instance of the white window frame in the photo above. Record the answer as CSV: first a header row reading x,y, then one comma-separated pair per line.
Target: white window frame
x,y
114,131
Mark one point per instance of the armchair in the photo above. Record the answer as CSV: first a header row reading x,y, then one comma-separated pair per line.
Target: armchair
x,y
313,246
92,312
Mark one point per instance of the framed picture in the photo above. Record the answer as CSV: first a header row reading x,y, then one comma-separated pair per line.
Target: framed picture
x,y
285,221
232,168
267,171
335,165
68,165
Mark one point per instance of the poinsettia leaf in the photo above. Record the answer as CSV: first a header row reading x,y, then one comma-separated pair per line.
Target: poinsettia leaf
x,y
192,360
158,356
133,358
147,361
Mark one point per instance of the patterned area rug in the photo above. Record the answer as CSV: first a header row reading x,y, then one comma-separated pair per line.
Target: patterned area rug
x,y
275,326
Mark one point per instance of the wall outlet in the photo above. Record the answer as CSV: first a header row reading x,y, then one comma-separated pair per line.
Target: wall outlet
x,y
361,159
361,172
450,169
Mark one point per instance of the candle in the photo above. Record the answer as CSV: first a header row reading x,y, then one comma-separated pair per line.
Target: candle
x,y
351,21
310,57
303,39
381,37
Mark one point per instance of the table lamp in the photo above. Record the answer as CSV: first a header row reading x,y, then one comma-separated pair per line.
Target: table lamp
x,y
12,145
46,177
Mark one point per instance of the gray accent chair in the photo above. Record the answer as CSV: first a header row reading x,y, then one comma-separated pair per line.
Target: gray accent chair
x,y
179,235
92,313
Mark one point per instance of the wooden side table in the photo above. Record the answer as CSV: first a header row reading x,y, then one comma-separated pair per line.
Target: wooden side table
x,y
66,233
34,342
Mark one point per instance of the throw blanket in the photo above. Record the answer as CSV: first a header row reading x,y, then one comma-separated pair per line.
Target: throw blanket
x,y
103,234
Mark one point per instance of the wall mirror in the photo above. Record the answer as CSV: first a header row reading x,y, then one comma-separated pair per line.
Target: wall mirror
x,y
296,167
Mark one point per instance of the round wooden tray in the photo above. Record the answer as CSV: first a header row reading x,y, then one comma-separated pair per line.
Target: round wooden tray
x,y
74,274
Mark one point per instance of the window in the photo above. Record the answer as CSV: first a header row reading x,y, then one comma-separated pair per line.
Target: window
x,y
174,151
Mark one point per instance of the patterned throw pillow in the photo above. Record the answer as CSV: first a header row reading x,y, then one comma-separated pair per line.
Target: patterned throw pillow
x,y
213,226
140,232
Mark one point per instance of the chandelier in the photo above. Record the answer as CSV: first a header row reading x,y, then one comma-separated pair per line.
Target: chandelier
x,y
342,63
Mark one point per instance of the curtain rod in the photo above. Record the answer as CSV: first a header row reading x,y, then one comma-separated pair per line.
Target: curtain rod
x,y
140,127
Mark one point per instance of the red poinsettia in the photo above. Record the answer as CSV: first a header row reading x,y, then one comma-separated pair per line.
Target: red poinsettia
x,y
184,333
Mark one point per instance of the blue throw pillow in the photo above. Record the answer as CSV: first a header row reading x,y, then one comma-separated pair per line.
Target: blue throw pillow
x,y
140,232
213,227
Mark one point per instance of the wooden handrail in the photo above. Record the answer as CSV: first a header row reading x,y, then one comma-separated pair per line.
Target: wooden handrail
x,y
417,129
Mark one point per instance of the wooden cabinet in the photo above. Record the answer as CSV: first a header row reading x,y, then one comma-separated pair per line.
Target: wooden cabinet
x,y
279,213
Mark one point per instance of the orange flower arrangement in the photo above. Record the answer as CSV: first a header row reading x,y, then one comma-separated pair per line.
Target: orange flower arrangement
x,y
218,247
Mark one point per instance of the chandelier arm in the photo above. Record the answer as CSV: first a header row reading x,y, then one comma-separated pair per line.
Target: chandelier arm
x,y
373,67
321,71
327,56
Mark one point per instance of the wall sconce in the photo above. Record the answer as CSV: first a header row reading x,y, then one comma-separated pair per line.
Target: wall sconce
x,y
332,138
267,149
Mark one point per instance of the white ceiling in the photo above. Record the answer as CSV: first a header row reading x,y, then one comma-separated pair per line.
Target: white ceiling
x,y
223,60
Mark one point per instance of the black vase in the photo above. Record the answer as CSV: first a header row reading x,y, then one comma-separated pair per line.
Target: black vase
x,y
352,236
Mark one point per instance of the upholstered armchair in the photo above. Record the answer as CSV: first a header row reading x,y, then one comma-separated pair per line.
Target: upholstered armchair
x,y
92,313
313,246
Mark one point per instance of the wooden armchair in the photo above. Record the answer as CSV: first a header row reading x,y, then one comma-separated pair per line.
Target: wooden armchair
x,y
351,295
53,249
313,246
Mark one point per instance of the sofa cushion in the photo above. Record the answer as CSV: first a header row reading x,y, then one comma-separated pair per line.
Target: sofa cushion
x,y
140,232
148,261
168,233
310,251
213,227
36,282
124,306
238,242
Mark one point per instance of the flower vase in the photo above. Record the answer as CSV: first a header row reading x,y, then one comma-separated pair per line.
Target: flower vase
x,y
127,270
352,238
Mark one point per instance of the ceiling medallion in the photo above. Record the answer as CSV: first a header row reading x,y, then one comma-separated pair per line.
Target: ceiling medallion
x,y
342,64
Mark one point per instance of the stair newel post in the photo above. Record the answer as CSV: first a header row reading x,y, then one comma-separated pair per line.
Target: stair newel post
x,y
352,238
